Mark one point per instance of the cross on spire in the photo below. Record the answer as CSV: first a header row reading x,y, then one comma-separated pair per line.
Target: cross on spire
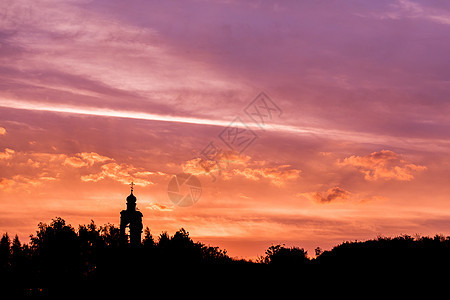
x,y
132,186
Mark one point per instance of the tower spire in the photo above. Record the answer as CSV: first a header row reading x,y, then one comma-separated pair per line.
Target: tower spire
x,y
132,219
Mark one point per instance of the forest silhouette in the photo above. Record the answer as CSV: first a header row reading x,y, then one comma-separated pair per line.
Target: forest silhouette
x,y
60,258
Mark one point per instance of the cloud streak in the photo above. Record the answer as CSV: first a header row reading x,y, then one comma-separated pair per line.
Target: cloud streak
x,y
304,130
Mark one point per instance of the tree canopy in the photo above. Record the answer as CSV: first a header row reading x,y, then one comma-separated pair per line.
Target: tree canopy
x,y
59,253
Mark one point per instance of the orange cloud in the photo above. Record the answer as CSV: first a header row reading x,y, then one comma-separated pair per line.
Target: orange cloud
x,y
333,194
7,154
338,194
86,159
2,131
123,173
24,183
45,158
198,166
215,164
32,169
277,175
159,207
384,164
232,164
6,184
35,169
75,162
92,157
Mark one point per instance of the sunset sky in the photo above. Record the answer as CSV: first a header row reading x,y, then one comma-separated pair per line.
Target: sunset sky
x,y
96,94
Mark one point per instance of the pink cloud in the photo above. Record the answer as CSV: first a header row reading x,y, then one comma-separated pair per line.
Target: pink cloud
x,y
231,164
122,173
384,164
278,176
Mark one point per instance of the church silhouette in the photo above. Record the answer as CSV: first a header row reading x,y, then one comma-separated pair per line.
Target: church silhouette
x,y
131,218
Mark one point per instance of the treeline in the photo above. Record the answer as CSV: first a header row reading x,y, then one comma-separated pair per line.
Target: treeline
x,y
58,250
59,254
391,253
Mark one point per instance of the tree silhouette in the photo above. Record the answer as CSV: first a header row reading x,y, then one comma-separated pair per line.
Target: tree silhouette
x,y
56,247
214,255
318,251
5,252
401,252
59,257
111,235
91,244
163,240
18,255
148,242
282,256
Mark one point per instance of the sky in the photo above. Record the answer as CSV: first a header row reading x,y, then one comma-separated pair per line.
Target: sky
x,y
306,123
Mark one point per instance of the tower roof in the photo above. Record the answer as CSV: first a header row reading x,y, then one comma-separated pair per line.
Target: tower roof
x,y
131,198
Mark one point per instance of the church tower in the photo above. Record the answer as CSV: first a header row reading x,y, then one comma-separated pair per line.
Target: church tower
x,y
133,219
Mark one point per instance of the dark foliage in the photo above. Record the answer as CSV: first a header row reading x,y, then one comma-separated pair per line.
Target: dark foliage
x,y
59,254
398,252
278,255
94,256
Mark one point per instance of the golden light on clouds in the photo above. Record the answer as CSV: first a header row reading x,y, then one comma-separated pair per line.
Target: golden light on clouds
x,y
384,164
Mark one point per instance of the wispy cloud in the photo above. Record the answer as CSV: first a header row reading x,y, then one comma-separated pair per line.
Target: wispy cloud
x,y
411,9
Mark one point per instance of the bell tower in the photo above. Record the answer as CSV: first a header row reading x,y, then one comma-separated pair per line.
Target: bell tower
x,y
132,219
